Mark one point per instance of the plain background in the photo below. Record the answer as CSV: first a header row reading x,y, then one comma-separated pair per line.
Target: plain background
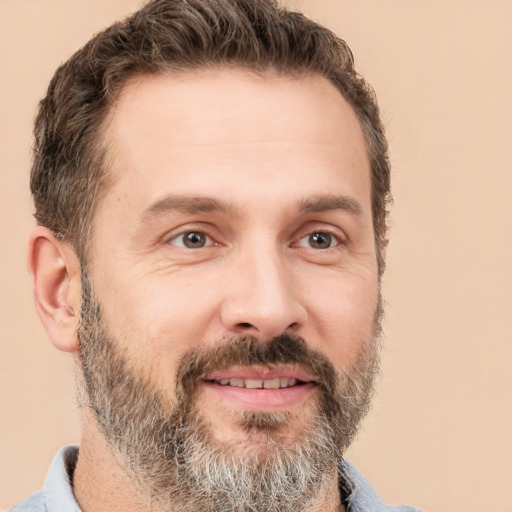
x,y
440,432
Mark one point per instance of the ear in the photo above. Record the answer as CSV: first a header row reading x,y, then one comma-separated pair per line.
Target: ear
x,y
55,272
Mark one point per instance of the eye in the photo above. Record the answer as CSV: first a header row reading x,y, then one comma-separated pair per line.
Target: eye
x,y
319,240
191,240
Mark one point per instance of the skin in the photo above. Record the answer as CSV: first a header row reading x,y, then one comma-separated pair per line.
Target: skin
x,y
257,164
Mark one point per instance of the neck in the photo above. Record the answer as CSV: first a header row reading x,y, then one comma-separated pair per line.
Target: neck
x,y
101,484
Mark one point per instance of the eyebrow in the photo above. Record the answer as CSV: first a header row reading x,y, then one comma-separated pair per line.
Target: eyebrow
x,y
187,204
331,202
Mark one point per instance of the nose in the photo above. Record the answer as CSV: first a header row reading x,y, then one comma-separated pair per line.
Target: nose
x,y
263,298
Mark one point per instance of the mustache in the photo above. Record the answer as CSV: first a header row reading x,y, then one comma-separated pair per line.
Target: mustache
x,y
286,348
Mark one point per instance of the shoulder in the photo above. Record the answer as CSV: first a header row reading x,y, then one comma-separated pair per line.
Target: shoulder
x,y
34,503
402,508
363,497
57,493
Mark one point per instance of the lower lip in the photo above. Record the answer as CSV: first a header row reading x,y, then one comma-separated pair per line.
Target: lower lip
x,y
262,400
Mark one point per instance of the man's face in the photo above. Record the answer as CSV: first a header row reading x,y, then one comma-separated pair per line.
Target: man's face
x,y
239,211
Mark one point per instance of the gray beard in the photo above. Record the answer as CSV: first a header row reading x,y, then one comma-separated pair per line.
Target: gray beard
x,y
169,450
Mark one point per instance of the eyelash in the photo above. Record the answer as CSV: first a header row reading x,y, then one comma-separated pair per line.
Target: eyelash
x,y
333,239
209,241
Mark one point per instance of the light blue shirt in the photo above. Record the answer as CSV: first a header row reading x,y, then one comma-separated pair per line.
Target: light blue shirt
x,y
57,492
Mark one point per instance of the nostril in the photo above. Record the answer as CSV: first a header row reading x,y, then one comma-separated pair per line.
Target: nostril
x,y
245,325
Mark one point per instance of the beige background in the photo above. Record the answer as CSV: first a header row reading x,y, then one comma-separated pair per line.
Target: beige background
x,y
440,433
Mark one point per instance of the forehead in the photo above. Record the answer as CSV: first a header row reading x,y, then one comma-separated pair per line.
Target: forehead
x,y
208,104
233,132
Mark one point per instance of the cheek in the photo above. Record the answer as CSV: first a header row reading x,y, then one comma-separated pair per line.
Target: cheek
x,y
158,322
343,317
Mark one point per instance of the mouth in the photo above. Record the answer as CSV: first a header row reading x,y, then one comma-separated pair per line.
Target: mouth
x,y
277,383
260,389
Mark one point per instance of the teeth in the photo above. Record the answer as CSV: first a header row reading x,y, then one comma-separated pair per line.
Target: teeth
x,y
272,384
253,384
258,383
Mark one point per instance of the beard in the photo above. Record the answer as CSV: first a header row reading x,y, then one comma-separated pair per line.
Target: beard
x,y
168,446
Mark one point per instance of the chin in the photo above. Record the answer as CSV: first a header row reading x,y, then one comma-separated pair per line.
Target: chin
x,y
259,434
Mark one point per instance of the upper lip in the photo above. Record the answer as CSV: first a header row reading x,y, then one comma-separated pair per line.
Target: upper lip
x,y
260,373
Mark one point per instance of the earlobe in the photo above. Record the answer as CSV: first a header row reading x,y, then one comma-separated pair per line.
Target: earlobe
x,y
55,272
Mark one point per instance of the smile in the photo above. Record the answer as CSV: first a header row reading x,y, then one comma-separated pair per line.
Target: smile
x,y
277,383
261,389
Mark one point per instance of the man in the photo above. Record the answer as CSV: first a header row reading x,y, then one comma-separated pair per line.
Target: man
x,y
211,182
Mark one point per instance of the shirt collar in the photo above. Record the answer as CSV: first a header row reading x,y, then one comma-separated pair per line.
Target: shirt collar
x,y
58,487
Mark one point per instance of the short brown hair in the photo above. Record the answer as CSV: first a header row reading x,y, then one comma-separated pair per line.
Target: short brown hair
x,y
68,173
